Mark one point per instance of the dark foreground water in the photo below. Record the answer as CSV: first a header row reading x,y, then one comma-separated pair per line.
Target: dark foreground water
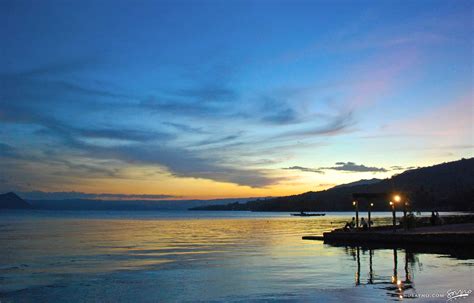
x,y
212,256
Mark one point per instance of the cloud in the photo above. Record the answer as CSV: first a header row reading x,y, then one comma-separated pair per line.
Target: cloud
x,y
284,116
180,107
276,111
340,166
306,169
122,134
217,140
182,163
19,115
38,92
352,167
7,151
397,167
185,128
41,195
339,124
202,97
93,122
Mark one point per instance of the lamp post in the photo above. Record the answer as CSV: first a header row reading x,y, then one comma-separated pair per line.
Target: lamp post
x,y
397,199
370,208
356,205
394,219
405,210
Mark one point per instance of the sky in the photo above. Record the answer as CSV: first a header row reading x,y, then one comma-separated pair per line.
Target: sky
x,y
212,99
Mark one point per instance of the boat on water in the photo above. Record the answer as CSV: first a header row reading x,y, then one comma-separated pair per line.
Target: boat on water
x,y
303,214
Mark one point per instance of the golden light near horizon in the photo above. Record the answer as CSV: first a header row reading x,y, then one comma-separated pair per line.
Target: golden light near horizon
x,y
391,203
397,198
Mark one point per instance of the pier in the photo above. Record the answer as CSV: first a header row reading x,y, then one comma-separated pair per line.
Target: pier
x,y
448,230
442,234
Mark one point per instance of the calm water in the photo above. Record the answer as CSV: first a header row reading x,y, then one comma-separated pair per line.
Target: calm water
x,y
210,256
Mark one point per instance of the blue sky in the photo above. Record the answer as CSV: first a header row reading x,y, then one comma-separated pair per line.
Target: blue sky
x,y
230,98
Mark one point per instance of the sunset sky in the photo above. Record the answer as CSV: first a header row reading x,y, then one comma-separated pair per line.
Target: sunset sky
x,y
211,99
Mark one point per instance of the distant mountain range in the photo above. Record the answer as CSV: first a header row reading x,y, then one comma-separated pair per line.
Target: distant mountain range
x,y
89,204
447,186
12,201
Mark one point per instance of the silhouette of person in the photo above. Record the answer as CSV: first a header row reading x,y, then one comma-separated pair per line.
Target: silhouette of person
x,y
350,225
433,218
364,224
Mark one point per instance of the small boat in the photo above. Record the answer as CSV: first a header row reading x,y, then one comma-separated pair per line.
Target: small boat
x,y
303,214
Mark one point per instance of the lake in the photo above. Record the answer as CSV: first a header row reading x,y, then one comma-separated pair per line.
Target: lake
x,y
166,256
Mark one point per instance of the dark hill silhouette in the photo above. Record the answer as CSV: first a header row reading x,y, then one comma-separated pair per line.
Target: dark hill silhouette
x,y
12,201
360,182
125,205
447,186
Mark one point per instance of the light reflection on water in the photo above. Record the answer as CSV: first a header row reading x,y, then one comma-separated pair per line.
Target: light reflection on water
x,y
205,257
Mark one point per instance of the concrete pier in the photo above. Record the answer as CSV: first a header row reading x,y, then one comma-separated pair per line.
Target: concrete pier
x,y
444,234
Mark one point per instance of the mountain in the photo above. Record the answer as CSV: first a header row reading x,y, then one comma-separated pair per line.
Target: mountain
x,y
360,182
447,186
129,205
12,201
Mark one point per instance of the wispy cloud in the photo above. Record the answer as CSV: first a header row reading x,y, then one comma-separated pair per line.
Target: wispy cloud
x,y
182,163
306,169
185,128
340,123
7,151
343,166
353,167
212,141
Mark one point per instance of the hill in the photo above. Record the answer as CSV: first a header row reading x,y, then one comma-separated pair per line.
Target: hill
x,y
125,205
360,182
447,186
12,201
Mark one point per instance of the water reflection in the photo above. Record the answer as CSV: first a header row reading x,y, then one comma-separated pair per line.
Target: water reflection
x,y
77,257
397,284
